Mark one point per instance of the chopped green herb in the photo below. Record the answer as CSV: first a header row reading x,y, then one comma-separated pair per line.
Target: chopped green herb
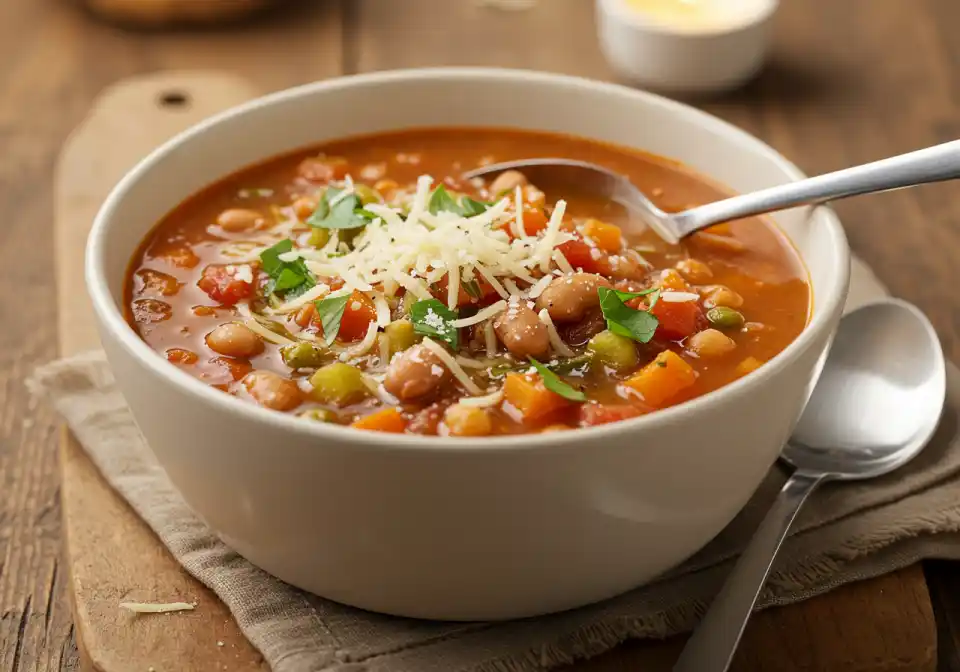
x,y
290,278
431,317
331,312
640,325
472,208
553,383
343,214
442,201
472,288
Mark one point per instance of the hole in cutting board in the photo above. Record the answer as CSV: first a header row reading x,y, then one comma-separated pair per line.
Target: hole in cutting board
x,y
174,99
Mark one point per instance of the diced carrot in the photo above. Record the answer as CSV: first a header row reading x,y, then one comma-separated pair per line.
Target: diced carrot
x,y
595,413
677,320
671,279
748,365
606,236
662,379
357,316
528,395
582,256
720,229
385,420
534,221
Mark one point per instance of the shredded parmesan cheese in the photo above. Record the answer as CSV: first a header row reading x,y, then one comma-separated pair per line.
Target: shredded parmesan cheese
x,y
453,366
678,297
155,608
383,309
483,314
541,284
558,345
561,262
483,402
490,338
266,334
317,292
364,346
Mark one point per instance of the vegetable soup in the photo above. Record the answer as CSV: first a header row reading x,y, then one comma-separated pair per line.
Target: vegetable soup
x,y
365,283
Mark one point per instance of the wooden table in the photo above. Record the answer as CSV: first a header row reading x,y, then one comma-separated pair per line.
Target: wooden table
x,y
850,80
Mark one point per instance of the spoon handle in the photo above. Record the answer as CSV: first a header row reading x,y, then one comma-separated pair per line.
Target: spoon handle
x,y
933,164
713,643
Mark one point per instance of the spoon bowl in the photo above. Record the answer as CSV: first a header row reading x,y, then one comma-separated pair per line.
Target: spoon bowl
x,y
873,409
876,405
933,164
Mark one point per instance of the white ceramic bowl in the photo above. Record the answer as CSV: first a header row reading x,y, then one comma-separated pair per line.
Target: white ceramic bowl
x,y
673,59
466,528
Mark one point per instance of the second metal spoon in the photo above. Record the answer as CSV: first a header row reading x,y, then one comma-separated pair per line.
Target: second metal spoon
x,y
875,406
934,164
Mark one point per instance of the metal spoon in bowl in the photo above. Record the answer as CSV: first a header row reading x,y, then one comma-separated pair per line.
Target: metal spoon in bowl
x,y
934,164
875,406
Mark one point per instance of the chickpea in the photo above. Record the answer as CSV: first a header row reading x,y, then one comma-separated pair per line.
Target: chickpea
x,y
238,219
463,420
570,297
414,374
234,340
710,343
695,271
628,265
272,390
718,295
507,181
304,207
522,332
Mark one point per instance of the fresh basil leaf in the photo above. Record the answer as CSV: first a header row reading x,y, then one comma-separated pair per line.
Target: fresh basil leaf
x,y
365,214
472,208
270,257
431,317
472,288
285,277
639,325
553,383
442,201
343,214
331,312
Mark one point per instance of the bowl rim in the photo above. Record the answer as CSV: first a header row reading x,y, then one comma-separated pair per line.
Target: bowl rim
x,y
618,10
111,317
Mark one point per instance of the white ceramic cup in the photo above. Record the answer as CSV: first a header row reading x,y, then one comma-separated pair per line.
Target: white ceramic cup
x,y
445,528
673,60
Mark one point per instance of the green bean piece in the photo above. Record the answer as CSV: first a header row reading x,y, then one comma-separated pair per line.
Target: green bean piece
x,y
400,335
338,384
723,317
367,194
570,364
319,237
409,298
303,355
613,350
319,415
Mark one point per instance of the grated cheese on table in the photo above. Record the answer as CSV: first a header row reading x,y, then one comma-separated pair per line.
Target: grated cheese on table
x,y
157,608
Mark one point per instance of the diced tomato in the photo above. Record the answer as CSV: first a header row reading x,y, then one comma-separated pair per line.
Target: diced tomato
x,y
677,320
223,287
485,291
580,255
357,316
595,413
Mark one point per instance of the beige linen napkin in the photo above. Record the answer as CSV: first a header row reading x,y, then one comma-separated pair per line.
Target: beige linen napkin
x,y
846,533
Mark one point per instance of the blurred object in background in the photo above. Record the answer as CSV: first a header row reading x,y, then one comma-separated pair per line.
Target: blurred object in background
x,y
507,5
686,47
169,13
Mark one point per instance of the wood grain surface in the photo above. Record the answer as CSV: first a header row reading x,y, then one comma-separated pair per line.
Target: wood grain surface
x,y
849,81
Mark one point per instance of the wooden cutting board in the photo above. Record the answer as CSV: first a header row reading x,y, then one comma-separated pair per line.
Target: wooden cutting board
x,y
882,625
